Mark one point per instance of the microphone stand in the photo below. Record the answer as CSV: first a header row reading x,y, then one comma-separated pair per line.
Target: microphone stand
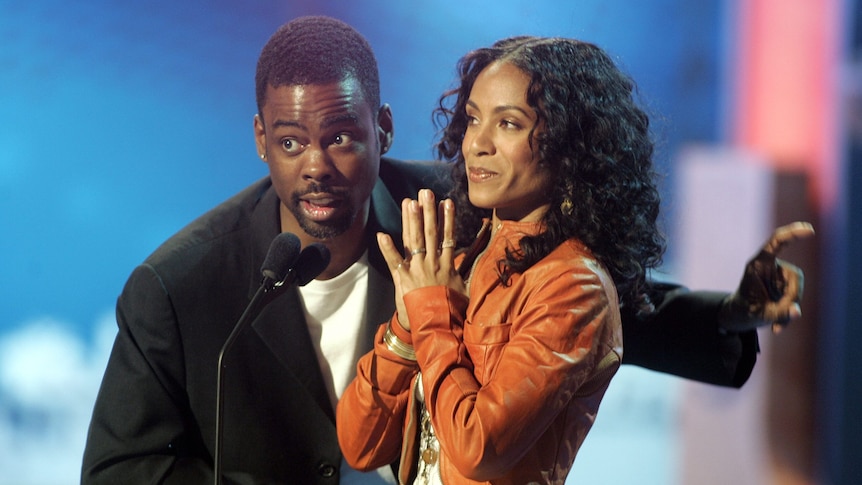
x,y
310,262
268,290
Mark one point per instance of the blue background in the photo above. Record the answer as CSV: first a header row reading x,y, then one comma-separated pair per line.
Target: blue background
x,y
120,122
123,121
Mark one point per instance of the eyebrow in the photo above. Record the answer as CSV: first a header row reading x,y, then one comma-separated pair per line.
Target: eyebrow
x,y
350,118
501,108
288,124
326,123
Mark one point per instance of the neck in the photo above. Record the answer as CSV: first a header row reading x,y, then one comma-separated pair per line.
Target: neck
x,y
534,215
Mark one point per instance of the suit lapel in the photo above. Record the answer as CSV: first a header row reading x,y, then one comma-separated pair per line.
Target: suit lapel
x,y
282,327
378,310
385,217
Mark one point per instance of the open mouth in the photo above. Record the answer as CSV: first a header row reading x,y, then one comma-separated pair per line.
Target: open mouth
x,y
320,206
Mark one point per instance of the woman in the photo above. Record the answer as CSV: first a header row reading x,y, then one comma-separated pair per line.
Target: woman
x,y
493,373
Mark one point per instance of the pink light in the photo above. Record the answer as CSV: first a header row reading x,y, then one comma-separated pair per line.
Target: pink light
x,y
787,98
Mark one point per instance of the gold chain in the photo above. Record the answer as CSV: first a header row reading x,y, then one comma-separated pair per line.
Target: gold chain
x,y
428,454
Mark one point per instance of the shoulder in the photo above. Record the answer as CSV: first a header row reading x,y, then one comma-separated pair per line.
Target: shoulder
x,y
571,264
228,229
572,255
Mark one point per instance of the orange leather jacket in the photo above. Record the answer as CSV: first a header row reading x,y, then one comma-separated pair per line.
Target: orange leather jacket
x,y
512,378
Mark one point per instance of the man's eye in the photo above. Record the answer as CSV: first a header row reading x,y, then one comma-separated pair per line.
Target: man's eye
x,y
290,145
342,139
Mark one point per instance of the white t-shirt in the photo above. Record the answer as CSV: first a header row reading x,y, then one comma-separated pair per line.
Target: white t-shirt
x,y
335,313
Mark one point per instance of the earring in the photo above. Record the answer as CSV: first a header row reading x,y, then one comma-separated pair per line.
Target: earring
x,y
567,207
262,156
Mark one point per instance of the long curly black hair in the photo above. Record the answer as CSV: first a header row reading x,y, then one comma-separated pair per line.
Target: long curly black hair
x,y
596,141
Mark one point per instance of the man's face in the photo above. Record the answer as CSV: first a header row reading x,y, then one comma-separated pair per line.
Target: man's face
x,y
323,145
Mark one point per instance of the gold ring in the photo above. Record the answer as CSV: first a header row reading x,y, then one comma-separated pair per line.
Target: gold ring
x,y
414,252
449,243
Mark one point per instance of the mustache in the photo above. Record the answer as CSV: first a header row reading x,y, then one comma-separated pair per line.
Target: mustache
x,y
316,188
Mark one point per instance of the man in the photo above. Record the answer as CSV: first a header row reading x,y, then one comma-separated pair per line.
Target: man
x,y
322,131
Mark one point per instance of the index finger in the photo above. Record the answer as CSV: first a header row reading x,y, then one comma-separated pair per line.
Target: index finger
x,y
787,234
389,251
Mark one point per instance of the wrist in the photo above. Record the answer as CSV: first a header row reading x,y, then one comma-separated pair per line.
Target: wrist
x,y
735,316
397,345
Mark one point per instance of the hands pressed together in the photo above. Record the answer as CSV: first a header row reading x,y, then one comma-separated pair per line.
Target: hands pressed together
x,y
771,289
428,232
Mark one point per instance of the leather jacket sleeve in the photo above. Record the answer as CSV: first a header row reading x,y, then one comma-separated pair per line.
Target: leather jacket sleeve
x,y
371,411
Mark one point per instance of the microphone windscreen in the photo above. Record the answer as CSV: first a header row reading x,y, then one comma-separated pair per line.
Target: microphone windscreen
x,y
283,253
312,261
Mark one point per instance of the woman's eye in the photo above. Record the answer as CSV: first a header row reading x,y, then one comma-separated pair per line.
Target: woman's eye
x,y
472,121
509,124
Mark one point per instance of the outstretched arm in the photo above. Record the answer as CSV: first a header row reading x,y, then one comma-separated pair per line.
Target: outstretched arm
x,y
710,336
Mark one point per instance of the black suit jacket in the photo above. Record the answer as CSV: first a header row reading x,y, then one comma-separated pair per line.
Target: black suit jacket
x,y
154,417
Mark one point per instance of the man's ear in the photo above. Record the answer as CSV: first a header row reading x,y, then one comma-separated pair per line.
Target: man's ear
x,y
260,137
385,128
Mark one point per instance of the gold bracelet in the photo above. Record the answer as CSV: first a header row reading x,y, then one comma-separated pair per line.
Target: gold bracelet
x,y
397,346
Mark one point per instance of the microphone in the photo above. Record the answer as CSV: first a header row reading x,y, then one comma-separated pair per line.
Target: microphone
x,y
282,255
310,263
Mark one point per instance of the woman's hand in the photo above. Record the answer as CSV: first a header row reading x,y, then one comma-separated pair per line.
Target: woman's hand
x,y
429,253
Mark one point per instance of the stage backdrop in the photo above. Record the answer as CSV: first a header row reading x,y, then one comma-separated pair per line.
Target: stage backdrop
x,y
120,122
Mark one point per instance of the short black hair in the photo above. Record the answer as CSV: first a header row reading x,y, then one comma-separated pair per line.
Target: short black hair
x,y
316,50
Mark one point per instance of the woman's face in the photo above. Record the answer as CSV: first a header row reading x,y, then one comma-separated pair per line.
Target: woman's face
x,y
503,172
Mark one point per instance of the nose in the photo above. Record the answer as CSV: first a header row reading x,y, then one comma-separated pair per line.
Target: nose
x,y
478,141
317,166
